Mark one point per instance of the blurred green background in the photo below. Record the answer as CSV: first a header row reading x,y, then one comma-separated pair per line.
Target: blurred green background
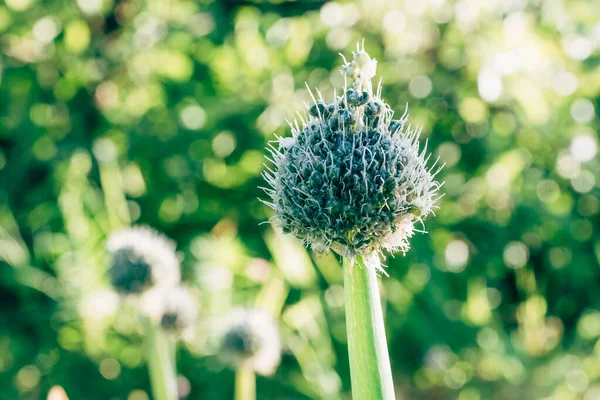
x,y
157,112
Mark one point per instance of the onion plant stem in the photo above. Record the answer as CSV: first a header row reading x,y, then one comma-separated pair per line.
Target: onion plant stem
x,y
160,359
370,370
245,384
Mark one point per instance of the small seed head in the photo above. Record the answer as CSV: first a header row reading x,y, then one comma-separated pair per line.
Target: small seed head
x,y
174,309
251,339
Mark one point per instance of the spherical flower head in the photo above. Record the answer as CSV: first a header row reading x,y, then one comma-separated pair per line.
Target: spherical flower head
x,y
251,339
141,259
173,309
352,178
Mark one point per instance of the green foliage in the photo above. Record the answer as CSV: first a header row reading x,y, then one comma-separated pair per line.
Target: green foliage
x,y
150,112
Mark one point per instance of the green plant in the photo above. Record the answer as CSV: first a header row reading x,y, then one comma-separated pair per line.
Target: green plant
x,y
354,180
250,344
145,268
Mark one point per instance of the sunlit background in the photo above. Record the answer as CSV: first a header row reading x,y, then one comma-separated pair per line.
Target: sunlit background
x,y
156,112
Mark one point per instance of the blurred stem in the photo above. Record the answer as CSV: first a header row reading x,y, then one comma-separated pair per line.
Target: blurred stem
x,y
272,296
370,370
114,197
245,384
161,365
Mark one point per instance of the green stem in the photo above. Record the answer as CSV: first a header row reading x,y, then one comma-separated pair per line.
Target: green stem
x,y
114,197
370,370
245,384
160,359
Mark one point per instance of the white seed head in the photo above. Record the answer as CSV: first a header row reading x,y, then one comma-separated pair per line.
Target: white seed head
x,y
352,178
174,309
251,339
141,259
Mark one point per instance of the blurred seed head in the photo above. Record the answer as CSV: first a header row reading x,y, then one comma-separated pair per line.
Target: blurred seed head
x,y
174,309
251,339
141,259
352,178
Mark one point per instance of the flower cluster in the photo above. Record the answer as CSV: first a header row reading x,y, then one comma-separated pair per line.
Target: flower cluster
x,y
251,340
144,266
351,178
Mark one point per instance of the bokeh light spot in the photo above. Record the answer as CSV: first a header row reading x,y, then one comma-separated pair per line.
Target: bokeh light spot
x,y
457,255
192,117
137,395
577,380
19,5
584,147
565,83
420,86
90,6
110,368
582,110
516,255
202,24
455,378
548,191
77,36
449,153
46,29
473,110
560,257
584,182
223,144
489,85
28,378
183,387
332,14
